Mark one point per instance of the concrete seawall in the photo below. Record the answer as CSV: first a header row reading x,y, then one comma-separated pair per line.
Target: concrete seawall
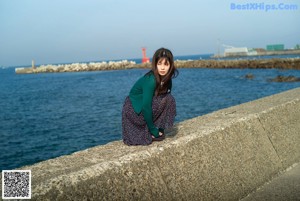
x,y
224,155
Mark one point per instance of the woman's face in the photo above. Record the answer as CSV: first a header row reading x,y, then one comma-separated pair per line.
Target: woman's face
x,y
163,66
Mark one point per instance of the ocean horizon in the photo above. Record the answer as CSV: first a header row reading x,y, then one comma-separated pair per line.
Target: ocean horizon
x,y
137,60
182,57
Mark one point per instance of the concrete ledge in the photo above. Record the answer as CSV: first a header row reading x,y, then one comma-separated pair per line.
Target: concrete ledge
x,y
224,155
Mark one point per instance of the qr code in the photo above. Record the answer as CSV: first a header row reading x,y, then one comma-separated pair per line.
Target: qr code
x,y
16,184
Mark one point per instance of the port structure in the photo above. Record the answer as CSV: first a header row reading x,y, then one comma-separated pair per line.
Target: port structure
x,y
145,59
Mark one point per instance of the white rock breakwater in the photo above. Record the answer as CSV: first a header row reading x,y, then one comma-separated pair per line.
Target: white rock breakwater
x,y
77,67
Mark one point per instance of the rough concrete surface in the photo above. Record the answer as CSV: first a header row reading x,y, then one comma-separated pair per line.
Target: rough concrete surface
x,y
285,187
224,155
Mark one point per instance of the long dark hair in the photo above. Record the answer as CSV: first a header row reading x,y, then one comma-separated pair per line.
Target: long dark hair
x,y
163,83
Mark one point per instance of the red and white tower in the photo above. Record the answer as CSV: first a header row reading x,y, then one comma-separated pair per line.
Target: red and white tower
x,y
145,59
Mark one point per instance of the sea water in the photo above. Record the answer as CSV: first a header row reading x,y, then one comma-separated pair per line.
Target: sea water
x,y
44,116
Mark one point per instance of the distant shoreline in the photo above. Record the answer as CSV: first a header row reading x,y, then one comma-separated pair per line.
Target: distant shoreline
x,y
279,63
260,53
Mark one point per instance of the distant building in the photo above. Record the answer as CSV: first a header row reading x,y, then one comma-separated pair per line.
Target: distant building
x,y
239,51
275,47
235,51
252,52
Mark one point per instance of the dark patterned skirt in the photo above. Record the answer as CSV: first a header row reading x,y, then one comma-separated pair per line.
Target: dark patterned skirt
x,y
134,127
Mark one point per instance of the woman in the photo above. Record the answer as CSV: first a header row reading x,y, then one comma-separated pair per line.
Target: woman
x,y
150,108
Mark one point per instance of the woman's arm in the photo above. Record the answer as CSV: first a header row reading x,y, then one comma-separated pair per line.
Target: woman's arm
x,y
148,92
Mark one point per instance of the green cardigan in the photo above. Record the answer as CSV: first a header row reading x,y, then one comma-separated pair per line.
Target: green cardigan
x,y
141,96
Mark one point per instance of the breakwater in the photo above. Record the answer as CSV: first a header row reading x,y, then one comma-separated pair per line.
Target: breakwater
x,y
287,63
78,67
223,155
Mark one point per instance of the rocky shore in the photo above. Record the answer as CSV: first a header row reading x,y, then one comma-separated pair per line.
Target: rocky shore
x,y
288,63
281,78
278,78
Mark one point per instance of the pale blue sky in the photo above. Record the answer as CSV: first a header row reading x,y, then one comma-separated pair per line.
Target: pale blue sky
x,y
61,31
